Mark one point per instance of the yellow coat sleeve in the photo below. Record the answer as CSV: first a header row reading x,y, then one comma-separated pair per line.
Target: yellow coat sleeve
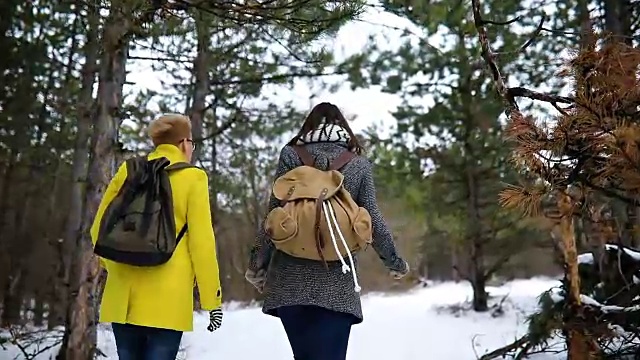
x,y
202,243
110,193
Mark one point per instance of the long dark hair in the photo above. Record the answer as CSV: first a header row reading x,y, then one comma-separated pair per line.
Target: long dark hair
x,y
327,113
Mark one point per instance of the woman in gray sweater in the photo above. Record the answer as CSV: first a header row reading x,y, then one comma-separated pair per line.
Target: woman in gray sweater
x,y
316,302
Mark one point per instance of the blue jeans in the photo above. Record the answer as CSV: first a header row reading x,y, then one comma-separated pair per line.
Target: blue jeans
x,y
135,342
316,333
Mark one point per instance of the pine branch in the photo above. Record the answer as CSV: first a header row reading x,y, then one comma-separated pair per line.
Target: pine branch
x,y
505,351
273,78
285,14
507,94
159,58
490,59
534,95
501,23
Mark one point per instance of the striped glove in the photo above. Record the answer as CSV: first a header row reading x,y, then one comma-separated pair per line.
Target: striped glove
x,y
215,319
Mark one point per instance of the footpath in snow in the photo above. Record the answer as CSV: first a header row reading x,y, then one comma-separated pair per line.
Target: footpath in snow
x,y
417,325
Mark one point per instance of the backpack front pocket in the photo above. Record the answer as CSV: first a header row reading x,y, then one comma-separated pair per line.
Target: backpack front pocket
x,y
280,226
363,227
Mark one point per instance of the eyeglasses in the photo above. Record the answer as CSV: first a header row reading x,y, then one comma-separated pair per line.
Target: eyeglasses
x,y
193,144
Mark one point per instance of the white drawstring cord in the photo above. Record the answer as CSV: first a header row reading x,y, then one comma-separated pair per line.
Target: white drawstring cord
x,y
344,243
345,267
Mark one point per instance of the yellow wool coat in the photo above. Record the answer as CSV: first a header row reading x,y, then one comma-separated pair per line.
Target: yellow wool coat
x,y
162,296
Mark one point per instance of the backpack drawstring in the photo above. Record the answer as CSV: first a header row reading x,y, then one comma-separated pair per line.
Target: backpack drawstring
x,y
345,268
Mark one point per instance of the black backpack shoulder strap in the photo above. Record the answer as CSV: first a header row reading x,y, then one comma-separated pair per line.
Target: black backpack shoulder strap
x,y
135,165
181,233
179,166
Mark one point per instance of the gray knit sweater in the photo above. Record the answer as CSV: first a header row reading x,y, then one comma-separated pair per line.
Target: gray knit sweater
x,y
295,281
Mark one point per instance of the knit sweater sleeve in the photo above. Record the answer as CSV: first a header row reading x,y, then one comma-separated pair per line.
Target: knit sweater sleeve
x,y
383,242
263,247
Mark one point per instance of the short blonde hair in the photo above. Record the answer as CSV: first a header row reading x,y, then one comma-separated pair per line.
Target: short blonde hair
x,y
169,129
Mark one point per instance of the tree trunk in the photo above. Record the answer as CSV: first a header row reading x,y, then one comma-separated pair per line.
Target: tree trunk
x,y
81,334
474,238
201,84
480,297
53,242
13,295
579,345
72,228
477,273
5,241
19,251
213,170
474,234
198,107
4,200
12,301
456,274
38,309
617,20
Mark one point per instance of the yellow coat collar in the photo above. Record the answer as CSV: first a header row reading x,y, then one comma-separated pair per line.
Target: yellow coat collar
x,y
170,152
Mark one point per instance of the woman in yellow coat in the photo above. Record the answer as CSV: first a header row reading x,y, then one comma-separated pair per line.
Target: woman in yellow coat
x,y
150,307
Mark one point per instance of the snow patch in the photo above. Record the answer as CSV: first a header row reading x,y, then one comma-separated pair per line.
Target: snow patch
x,y
406,326
556,295
587,300
586,258
632,253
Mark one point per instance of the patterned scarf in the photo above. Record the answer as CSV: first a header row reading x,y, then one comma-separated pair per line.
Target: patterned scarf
x,y
325,133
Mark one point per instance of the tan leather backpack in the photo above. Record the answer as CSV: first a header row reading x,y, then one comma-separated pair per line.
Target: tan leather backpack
x,y
317,218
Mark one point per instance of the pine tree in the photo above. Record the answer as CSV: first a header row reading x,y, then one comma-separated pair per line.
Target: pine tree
x,y
573,165
458,138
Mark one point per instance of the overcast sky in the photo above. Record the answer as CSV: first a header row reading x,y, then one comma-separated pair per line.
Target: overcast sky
x,y
369,106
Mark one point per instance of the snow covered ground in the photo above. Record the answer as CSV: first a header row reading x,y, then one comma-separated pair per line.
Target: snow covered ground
x,y
416,325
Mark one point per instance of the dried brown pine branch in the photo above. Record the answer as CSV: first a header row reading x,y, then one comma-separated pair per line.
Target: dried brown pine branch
x,y
590,156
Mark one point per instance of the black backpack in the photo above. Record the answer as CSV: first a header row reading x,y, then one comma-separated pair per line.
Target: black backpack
x,y
138,227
